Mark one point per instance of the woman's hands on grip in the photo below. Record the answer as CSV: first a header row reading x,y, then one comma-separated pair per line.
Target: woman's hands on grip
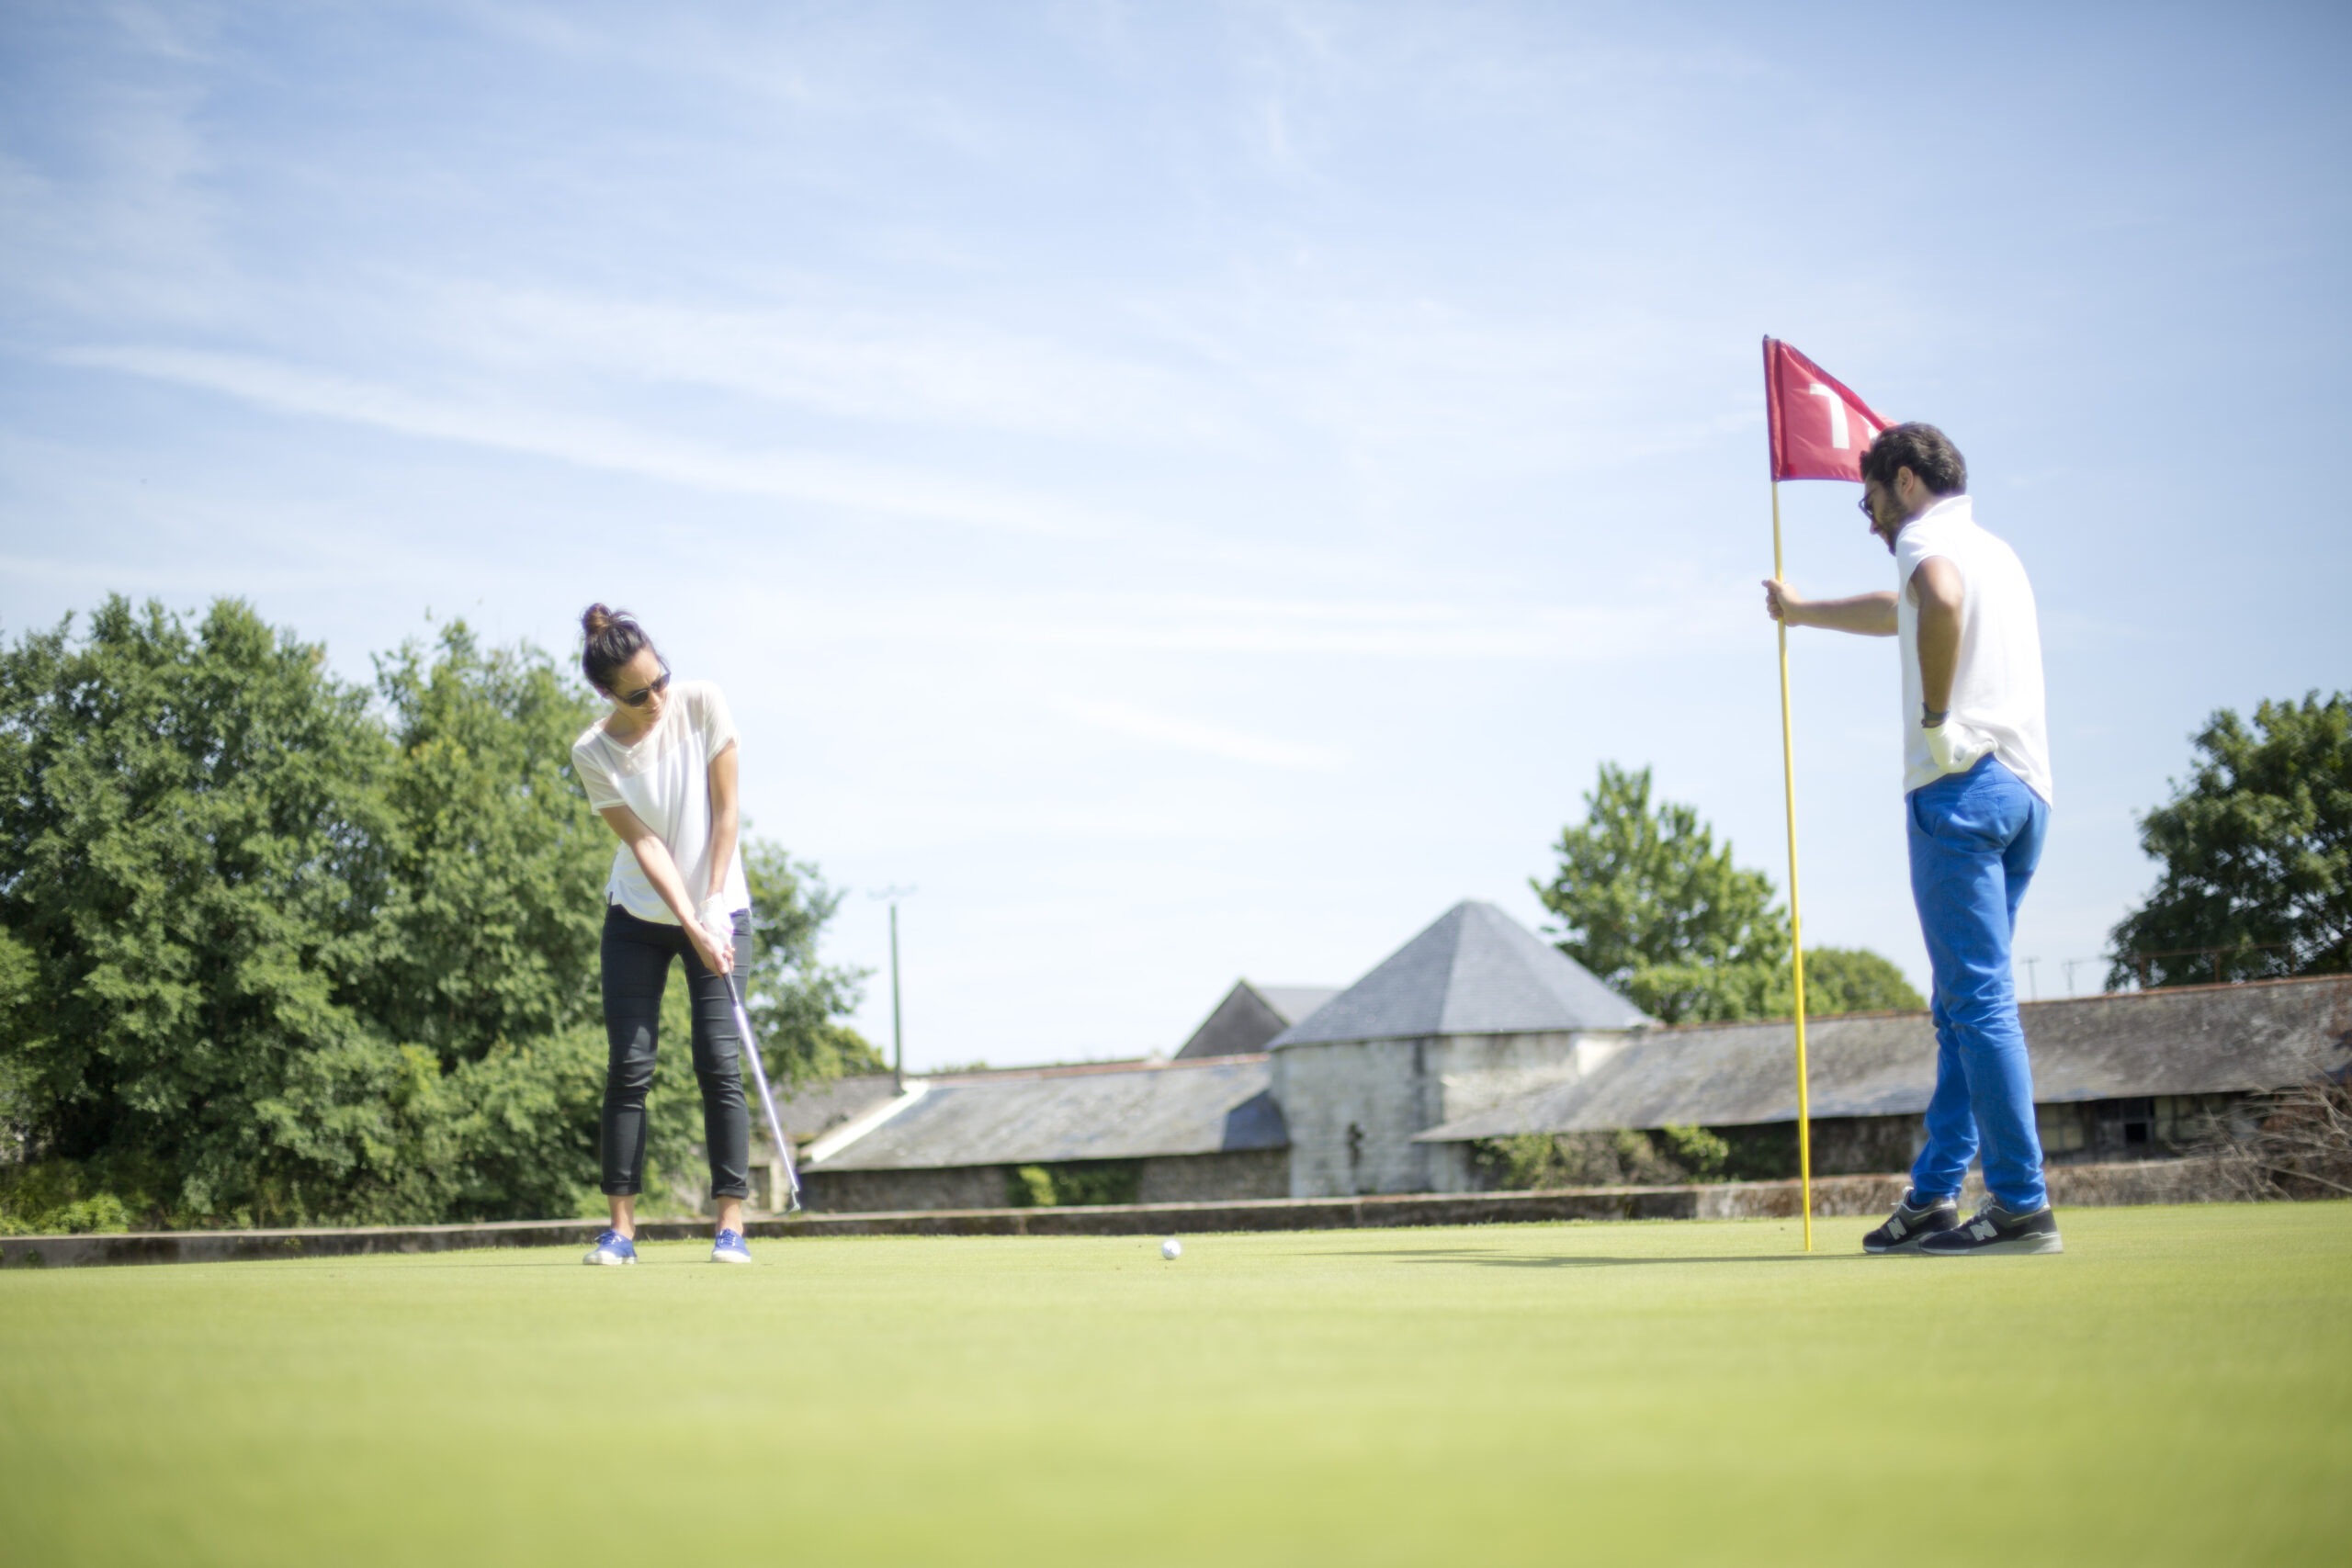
x,y
712,930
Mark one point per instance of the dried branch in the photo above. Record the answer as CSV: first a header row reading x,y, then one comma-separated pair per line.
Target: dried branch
x,y
2294,1144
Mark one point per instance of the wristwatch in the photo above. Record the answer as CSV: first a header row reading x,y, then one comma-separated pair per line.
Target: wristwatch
x,y
1931,719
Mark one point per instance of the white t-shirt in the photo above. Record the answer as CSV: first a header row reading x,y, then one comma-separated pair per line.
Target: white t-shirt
x,y
1996,700
664,778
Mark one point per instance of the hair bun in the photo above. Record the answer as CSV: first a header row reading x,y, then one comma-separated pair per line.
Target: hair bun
x,y
613,639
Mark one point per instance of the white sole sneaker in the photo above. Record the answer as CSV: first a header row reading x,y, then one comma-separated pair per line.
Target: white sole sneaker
x,y
1995,1232
2013,1247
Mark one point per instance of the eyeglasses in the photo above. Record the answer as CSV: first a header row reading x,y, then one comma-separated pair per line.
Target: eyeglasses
x,y
1863,506
644,695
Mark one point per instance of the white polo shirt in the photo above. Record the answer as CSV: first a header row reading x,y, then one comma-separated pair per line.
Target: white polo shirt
x,y
664,777
1996,697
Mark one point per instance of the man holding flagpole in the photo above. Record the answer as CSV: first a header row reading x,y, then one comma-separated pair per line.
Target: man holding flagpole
x,y
1977,792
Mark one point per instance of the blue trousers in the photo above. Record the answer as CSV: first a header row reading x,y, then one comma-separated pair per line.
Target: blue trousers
x,y
1975,839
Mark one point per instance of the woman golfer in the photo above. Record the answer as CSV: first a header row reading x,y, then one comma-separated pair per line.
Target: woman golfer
x,y
660,769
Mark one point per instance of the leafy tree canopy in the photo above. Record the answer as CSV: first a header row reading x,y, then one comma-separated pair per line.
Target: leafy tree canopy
x,y
2256,851
194,825
276,947
491,905
1639,885
1836,980
1646,900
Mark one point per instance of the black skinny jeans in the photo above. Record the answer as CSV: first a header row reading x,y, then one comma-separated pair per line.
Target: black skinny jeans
x,y
637,956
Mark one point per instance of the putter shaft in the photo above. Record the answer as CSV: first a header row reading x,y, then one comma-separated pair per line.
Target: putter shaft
x,y
782,1145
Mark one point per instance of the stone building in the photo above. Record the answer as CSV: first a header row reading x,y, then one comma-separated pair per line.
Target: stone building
x,y
2124,1076
1475,1010
1479,1029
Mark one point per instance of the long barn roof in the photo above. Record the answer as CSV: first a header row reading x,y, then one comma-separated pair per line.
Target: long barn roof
x,y
1126,1111
2193,1040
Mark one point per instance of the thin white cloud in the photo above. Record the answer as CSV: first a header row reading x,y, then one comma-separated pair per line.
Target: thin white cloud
x,y
1700,616
799,63
1208,739
888,367
600,443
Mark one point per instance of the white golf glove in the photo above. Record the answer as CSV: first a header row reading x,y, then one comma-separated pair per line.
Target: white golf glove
x,y
717,922
1950,752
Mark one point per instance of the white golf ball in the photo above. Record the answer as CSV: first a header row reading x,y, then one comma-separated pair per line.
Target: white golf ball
x,y
1172,1248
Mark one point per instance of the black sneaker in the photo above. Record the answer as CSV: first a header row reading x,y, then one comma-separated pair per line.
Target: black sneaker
x,y
1908,1227
1995,1229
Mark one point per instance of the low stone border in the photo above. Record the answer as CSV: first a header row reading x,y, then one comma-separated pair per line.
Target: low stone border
x,y
2145,1182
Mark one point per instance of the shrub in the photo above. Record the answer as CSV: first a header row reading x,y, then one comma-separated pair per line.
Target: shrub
x,y
1662,1157
1074,1183
2296,1142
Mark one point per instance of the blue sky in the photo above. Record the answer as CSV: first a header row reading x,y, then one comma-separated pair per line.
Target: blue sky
x,y
1196,489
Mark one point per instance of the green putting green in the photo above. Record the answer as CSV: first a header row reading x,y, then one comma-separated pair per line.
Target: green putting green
x,y
2176,1388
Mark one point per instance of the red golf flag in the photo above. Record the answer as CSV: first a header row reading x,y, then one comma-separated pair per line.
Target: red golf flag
x,y
1819,428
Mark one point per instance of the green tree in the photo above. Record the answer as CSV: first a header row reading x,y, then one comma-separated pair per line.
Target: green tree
x,y
2256,851
1836,980
192,831
273,952
1647,901
1640,885
484,966
488,931
1855,980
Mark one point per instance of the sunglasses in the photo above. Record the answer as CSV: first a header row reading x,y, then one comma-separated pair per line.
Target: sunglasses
x,y
644,695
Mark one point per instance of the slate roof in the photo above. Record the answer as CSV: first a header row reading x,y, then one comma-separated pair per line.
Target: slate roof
x,y
1296,1003
1122,1111
1250,1015
2191,1040
1476,971
819,1109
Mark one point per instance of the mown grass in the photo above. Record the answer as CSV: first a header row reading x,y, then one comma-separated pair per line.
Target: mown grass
x,y
2177,1388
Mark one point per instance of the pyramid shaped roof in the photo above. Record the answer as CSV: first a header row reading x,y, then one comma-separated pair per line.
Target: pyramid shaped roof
x,y
1250,1015
1476,971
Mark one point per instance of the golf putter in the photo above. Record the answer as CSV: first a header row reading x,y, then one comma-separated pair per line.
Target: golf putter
x,y
782,1145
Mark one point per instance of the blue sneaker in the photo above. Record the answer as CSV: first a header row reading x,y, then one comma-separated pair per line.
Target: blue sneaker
x,y
730,1249
613,1247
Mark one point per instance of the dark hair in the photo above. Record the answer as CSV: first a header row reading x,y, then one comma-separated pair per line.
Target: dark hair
x,y
1923,449
613,639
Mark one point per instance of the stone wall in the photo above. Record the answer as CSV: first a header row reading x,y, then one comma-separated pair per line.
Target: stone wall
x,y
1862,1145
2089,1132
1353,1106
1167,1179
2138,1181
1217,1178
2159,1126
874,1191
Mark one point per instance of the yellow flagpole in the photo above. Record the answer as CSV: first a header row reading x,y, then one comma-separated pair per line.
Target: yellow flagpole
x,y
1796,920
